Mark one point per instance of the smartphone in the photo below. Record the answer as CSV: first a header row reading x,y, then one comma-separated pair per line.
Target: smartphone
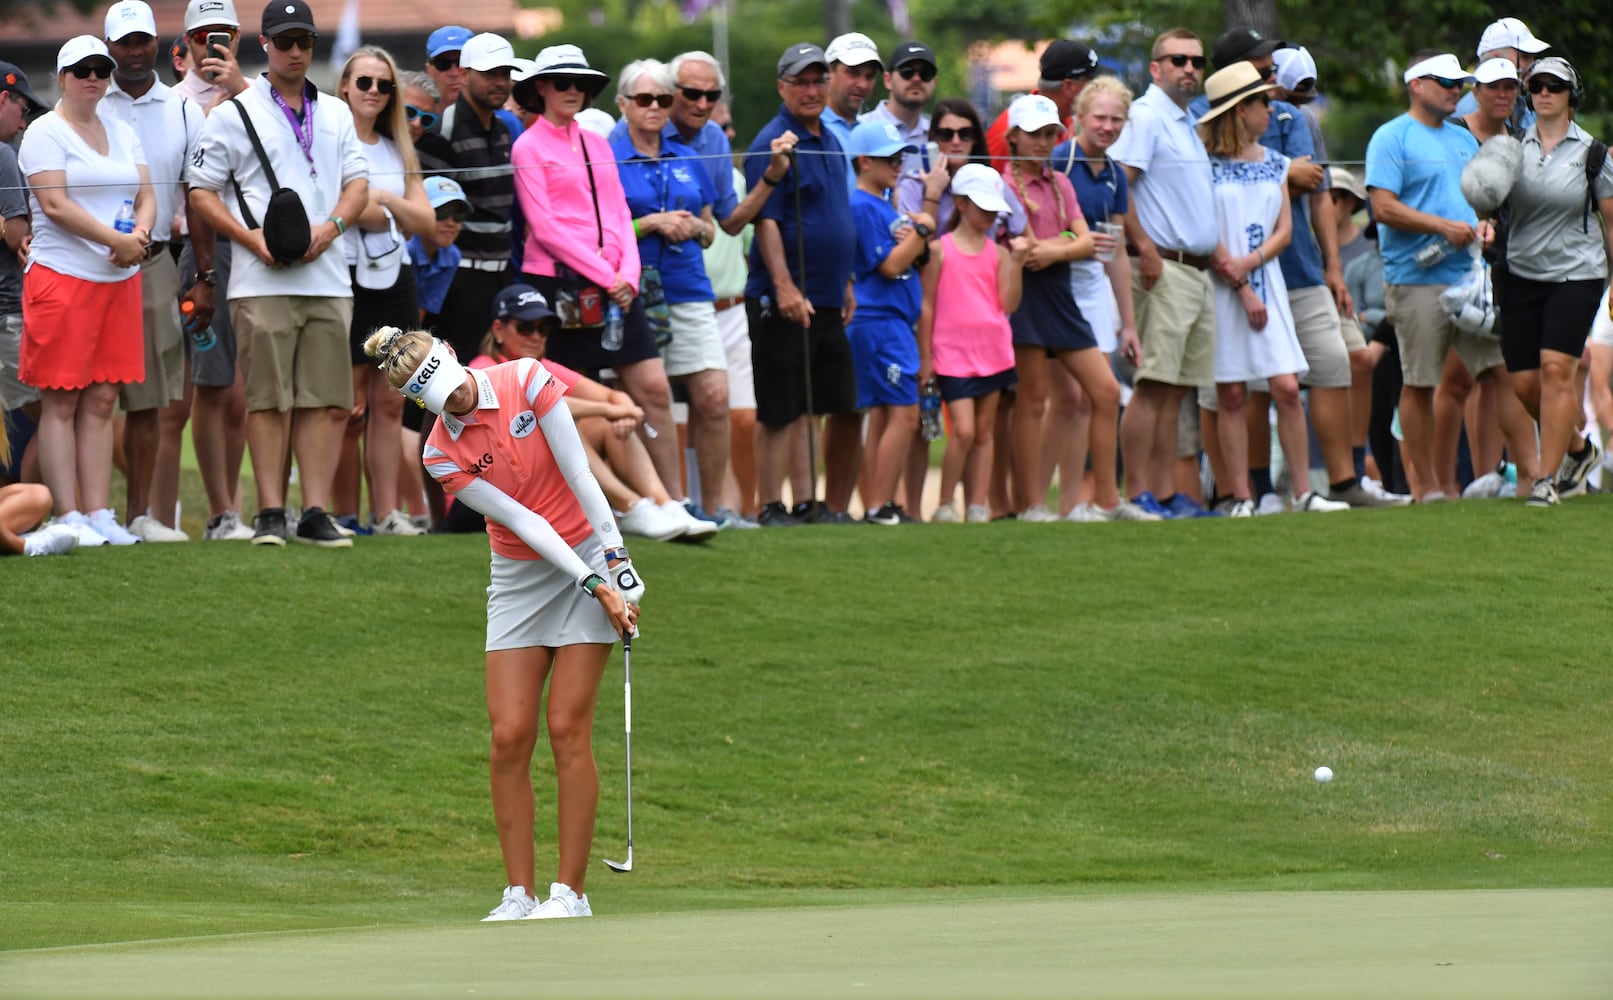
x,y
218,46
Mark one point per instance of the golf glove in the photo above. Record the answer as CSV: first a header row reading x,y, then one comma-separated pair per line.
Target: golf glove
x,y
624,579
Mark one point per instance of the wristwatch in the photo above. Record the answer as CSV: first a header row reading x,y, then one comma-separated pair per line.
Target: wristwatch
x,y
925,232
208,277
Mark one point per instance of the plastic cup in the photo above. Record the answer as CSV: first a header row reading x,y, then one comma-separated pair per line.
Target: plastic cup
x,y
1115,230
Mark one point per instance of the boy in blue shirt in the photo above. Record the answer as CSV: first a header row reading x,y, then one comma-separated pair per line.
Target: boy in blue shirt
x,y
889,293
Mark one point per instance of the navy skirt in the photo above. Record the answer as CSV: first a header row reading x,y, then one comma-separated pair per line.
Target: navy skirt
x,y
1047,316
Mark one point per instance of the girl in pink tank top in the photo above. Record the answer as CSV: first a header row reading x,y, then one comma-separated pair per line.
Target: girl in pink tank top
x,y
970,286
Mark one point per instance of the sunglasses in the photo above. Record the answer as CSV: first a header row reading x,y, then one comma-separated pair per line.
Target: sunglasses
x,y
531,327
285,43
896,160
199,36
561,84
965,134
1540,85
924,71
426,118
662,101
695,94
84,69
369,83
445,62
1180,60
1444,81
448,213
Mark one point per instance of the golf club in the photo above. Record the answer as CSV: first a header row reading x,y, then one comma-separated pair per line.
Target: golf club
x,y
806,347
627,711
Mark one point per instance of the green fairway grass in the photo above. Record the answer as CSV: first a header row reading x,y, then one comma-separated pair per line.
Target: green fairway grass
x,y
211,738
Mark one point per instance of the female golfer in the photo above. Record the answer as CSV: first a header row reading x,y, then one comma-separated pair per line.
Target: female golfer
x,y
504,447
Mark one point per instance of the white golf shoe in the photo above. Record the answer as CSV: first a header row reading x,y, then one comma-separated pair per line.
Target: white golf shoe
x,y
516,905
562,902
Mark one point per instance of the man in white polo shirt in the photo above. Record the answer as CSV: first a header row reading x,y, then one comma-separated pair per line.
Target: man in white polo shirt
x,y
168,128
1171,230
291,319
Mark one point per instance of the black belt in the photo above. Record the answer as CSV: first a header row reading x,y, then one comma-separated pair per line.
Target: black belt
x,y
1179,256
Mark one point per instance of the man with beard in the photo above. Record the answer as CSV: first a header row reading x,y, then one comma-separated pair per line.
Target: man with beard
x,y
911,82
853,67
168,127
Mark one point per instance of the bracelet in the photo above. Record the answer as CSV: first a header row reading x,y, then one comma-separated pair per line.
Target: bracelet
x,y
340,224
770,182
636,230
1241,282
1068,233
591,583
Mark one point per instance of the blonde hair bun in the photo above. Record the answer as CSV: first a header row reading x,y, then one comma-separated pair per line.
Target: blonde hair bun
x,y
381,341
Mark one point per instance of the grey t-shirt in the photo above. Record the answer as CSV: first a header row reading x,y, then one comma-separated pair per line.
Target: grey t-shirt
x,y
13,204
1550,239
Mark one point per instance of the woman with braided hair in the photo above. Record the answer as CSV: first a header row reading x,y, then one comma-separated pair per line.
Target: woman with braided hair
x,y
505,445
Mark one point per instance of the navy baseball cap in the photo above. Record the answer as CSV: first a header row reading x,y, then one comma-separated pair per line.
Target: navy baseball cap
x,y
281,16
521,302
16,81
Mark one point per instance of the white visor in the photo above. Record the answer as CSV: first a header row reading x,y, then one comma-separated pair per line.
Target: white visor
x,y
436,378
1445,65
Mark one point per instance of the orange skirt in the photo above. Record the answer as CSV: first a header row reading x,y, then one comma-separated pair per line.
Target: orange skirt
x,y
76,333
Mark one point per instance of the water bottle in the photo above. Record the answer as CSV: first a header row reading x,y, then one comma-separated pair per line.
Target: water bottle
x,y
124,222
1434,252
612,341
930,412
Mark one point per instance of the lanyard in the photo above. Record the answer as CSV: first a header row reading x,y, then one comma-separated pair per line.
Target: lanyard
x,y
305,137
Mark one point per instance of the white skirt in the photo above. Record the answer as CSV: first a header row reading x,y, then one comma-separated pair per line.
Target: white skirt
x,y
1095,297
531,603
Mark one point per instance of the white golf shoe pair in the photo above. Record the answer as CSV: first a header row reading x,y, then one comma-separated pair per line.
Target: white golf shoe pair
x,y
517,905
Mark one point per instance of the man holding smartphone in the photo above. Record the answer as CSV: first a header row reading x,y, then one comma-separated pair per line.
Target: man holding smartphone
x,y
218,404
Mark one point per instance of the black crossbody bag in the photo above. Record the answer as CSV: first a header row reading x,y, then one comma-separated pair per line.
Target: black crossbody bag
x,y
286,232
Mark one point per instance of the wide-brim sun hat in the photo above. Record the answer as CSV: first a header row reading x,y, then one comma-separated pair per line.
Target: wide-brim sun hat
x,y
568,60
1229,86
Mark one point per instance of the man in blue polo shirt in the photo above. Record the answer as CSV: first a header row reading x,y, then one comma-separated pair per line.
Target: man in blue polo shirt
x,y
853,70
780,310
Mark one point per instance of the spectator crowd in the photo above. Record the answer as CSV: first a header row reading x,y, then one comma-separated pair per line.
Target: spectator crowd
x,y
1128,295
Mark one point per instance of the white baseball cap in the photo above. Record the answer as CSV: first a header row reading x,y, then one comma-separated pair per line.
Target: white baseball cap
x,y
981,185
1496,70
1510,33
79,48
596,121
1445,64
1032,112
207,13
129,16
486,52
1294,67
853,49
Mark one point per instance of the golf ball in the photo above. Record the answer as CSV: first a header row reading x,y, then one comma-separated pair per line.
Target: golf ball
x,y
1324,774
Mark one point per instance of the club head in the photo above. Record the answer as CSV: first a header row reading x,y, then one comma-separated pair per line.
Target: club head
x,y
621,866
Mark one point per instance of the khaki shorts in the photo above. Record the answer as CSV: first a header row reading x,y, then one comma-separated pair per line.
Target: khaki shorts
x,y
1426,336
696,342
1176,324
293,351
1354,339
1189,425
1316,323
165,351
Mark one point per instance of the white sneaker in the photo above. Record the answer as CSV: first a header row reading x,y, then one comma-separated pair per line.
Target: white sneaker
x,y
695,529
1241,508
105,523
423,522
1315,503
1125,510
397,523
645,520
1086,513
51,540
562,902
1270,503
516,905
1038,514
1378,490
149,529
227,527
88,537
977,513
945,514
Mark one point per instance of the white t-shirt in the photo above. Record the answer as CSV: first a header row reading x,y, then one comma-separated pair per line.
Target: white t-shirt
x,y
386,174
338,159
99,184
168,127
1174,196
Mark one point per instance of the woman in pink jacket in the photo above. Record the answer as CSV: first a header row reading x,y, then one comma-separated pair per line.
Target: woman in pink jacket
x,y
580,241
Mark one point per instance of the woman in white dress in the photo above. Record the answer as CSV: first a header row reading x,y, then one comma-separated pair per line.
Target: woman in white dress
x,y
1254,336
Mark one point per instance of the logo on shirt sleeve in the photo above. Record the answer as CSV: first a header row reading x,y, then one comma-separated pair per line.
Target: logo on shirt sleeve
x,y
523,424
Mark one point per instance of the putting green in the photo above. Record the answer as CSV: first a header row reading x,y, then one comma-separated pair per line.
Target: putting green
x,y
1472,944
